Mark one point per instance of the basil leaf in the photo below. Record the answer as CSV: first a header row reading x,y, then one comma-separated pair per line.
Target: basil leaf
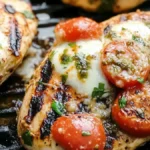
x,y
27,138
86,133
122,102
99,91
58,107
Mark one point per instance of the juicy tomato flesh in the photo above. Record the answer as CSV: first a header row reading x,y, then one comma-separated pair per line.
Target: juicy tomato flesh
x,y
123,66
80,131
77,29
131,110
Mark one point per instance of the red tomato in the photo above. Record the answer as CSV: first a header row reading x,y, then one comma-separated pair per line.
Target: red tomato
x,y
131,110
80,131
76,29
124,64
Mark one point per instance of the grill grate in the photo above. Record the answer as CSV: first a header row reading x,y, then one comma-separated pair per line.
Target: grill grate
x,y
11,93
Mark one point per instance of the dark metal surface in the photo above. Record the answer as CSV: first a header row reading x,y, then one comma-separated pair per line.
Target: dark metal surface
x,y
49,14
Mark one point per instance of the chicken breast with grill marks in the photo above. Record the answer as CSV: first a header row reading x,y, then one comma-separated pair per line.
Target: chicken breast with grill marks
x,y
17,30
68,79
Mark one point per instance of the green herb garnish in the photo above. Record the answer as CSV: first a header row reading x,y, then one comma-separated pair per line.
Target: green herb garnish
x,y
27,138
58,107
65,58
122,102
140,80
72,44
64,78
123,28
99,91
138,39
28,14
86,133
82,65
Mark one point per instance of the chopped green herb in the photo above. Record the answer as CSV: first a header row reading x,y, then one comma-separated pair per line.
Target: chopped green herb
x,y
122,102
99,91
58,107
123,28
73,44
51,55
82,65
65,58
86,133
111,35
64,78
27,138
28,14
140,80
138,39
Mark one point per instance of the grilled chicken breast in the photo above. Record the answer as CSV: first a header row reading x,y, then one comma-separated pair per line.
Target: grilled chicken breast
x,y
18,26
107,5
70,83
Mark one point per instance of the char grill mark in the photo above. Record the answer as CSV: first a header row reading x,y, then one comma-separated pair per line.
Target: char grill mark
x,y
35,107
62,95
45,76
14,38
37,99
9,9
47,123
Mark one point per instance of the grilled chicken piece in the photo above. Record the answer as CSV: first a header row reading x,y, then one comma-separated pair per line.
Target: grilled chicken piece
x,y
69,81
17,29
105,5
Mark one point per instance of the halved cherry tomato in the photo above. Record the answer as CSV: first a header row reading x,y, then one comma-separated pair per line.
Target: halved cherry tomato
x,y
76,29
131,110
124,64
80,131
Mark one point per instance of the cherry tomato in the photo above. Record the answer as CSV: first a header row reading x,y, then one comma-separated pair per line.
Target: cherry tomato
x,y
131,110
124,64
80,131
76,29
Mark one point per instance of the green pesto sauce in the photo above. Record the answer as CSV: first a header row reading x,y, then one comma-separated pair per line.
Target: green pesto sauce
x,y
65,58
82,64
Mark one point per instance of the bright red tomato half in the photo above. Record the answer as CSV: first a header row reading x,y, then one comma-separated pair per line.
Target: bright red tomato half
x,y
80,131
131,110
77,29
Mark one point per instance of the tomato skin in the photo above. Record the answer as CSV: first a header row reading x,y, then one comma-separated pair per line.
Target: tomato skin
x,y
67,132
77,29
134,117
122,65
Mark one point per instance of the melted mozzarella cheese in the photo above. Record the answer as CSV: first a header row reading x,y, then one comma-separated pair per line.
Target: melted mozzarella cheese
x,y
95,75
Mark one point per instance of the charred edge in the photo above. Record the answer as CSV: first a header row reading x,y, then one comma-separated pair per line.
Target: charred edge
x,y
62,95
35,107
9,9
37,99
47,123
110,130
45,76
14,38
